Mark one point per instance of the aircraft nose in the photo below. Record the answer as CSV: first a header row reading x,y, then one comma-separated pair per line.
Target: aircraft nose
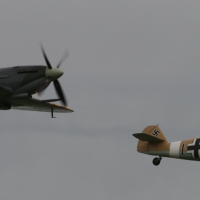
x,y
54,73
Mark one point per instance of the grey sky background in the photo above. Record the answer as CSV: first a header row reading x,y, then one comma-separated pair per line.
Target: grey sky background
x,y
131,64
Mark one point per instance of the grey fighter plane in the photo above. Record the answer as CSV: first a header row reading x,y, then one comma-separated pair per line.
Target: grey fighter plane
x,y
19,83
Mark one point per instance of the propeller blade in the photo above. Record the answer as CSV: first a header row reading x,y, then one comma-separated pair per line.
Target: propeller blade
x,y
60,92
63,58
45,57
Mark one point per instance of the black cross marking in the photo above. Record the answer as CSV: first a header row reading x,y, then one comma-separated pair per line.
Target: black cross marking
x,y
155,132
195,148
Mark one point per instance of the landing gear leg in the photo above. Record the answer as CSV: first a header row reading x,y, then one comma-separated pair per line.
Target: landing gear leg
x,y
52,113
156,161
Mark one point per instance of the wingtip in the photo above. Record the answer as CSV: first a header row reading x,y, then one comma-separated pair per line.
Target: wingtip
x,y
70,110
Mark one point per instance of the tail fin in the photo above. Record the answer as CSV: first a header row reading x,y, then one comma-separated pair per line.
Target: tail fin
x,y
151,134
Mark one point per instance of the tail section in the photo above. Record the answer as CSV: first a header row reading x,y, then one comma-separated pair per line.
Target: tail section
x,y
151,134
150,138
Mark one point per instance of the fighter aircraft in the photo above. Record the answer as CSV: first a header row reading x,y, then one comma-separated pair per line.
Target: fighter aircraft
x,y
19,83
153,142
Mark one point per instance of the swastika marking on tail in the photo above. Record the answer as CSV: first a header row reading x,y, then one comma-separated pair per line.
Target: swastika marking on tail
x,y
156,133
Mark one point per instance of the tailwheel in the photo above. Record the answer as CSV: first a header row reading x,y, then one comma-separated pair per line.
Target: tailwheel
x,y
156,161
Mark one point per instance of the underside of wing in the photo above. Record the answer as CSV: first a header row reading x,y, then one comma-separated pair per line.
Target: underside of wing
x,y
37,105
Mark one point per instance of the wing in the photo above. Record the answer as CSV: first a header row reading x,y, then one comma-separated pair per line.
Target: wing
x,y
37,105
5,91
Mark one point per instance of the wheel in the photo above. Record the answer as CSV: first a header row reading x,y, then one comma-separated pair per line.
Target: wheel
x,y
156,161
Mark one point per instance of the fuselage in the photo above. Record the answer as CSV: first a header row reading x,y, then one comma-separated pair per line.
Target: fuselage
x,y
23,81
186,149
19,78
28,79
153,142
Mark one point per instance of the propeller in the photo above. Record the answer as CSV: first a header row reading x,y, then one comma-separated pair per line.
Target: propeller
x,y
63,58
56,83
45,57
60,92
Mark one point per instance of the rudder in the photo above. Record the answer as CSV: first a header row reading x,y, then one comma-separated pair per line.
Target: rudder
x,y
155,132
150,135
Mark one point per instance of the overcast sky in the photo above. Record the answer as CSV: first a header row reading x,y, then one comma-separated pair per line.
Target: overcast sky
x,y
132,64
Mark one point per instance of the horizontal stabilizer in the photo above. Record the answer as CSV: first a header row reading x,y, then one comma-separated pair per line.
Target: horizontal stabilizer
x,y
147,137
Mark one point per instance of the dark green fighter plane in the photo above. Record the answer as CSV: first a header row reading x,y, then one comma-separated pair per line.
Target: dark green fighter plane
x,y
19,83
